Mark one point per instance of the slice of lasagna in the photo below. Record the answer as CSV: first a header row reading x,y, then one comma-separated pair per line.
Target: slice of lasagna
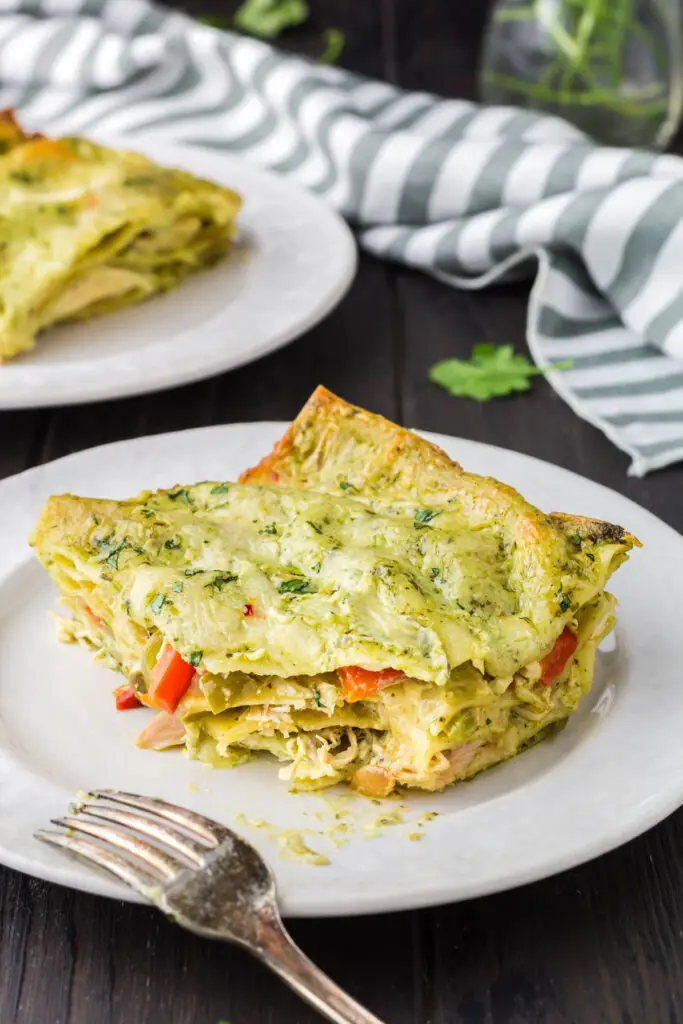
x,y
359,607
87,229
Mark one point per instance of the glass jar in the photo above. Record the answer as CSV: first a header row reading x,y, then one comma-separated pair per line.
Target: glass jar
x,y
611,67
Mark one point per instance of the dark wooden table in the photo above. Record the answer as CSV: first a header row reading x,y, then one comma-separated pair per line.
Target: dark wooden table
x,y
603,943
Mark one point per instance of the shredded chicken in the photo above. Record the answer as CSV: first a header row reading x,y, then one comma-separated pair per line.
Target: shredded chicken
x,y
458,761
163,731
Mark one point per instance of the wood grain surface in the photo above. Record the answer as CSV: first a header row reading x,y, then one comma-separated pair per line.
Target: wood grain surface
x,y
602,944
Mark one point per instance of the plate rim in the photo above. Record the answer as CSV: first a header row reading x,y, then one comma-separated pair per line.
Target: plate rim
x,y
173,153
659,806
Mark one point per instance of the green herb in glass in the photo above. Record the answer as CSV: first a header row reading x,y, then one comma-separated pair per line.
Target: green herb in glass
x,y
614,68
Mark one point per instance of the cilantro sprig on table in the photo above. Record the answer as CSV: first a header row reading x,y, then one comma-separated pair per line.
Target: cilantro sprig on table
x,y
333,40
268,19
491,372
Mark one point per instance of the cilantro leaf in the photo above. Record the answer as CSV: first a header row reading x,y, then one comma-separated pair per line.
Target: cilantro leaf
x,y
300,586
221,580
491,372
423,516
333,39
317,698
25,177
112,558
267,19
158,603
180,493
139,179
111,551
194,658
219,489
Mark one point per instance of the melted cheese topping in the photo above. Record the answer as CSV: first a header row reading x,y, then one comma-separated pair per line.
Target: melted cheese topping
x,y
330,582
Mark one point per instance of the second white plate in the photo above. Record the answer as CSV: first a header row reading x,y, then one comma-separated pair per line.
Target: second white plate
x,y
294,260
616,770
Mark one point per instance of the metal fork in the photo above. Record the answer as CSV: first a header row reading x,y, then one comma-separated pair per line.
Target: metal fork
x,y
203,876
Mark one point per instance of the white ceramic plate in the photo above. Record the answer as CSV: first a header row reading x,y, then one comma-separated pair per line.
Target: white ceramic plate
x,y
616,770
293,262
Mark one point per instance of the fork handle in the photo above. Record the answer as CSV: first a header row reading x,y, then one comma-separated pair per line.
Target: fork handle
x,y
279,951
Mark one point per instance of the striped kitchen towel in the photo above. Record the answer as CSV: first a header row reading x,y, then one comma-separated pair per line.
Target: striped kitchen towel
x,y
463,192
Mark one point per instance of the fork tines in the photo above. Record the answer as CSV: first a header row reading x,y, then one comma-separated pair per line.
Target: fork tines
x,y
133,838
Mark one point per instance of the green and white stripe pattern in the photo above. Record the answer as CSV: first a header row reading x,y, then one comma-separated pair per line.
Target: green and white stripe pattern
x,y
465,193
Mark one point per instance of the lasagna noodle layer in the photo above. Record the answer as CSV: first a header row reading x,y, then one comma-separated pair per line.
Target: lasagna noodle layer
x,y
413,734
418,734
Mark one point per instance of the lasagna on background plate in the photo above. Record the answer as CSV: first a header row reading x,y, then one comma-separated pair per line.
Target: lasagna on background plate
x,y
86,230
358,606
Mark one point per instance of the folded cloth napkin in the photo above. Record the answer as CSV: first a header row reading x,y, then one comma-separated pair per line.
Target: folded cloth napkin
x,y
463,192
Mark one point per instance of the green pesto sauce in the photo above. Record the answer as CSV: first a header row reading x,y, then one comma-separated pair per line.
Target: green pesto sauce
x,y
327,581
